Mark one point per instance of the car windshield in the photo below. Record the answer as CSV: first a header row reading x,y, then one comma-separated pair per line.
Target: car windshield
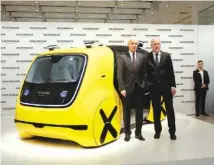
x,y
53,80
55,69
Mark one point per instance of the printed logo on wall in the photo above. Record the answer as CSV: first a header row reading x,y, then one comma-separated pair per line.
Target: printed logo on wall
x,y
180,96
64,28
186,78
187,42
164,29
140,29
51,34
22,61
76,34
187,90
38,28
188,102
10,41
152,35
24,34
187,30
90,28
128,35
177,60
188,66
65,41
104,35
166,42
187,54
10,68
10,54
22,47
21,74
175,47
179,84
178,72
38,41
116,29
10,27
175,35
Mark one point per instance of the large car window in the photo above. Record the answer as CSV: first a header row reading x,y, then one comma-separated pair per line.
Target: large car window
x,y
55,69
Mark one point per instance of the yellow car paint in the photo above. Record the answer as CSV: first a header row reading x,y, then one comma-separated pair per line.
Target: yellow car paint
x,y
82,121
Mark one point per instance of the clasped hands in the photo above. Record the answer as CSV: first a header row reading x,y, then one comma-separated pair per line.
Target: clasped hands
x,y
203,86
123,92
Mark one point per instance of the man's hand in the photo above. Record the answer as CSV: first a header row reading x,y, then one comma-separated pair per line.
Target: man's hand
x,y
203,86
123,92
173,90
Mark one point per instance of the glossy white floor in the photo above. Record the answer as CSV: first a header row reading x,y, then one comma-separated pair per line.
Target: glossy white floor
x,y
195,141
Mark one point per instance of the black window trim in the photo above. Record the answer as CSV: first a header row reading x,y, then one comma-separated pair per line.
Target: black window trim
x,y
76,91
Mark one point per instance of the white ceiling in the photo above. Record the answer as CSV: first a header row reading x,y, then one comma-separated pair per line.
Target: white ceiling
x,y
113,11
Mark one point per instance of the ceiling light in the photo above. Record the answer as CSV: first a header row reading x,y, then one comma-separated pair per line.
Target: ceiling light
x,y
36,2
121,4
77,10
167,5
152,12
37,9
201,14
79,3
211,8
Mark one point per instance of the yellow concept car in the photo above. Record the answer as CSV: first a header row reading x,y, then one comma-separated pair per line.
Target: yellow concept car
x,y
70,94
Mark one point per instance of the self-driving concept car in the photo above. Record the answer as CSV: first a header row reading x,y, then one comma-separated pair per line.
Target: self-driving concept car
x,y
70,94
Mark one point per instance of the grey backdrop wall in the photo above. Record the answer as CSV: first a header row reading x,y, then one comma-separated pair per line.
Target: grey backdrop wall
x,y
206,53
20,42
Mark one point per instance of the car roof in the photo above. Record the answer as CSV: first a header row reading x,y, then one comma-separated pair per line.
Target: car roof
x,y
121,49
77,50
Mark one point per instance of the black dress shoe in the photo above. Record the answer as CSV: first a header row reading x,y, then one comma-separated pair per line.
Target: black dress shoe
x,y
127,137
140,137
173,137
197,115
205,114
157,136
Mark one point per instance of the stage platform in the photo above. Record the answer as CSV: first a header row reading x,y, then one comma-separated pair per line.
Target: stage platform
x,y
193,146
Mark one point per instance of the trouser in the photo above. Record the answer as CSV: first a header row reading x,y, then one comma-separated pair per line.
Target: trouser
x,y
156,91
200,100
133,100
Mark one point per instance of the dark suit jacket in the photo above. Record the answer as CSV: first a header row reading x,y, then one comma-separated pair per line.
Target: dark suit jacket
x,y
198,80
164,73
127,77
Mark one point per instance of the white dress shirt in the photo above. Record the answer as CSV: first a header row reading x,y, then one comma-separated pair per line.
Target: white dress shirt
x,y
131,55
202,75
159,56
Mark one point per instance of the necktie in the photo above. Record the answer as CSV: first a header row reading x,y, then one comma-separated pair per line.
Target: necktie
x,y
134,61
156,60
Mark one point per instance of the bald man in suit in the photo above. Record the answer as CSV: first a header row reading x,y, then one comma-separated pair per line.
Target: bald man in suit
x,y
161,82
131,74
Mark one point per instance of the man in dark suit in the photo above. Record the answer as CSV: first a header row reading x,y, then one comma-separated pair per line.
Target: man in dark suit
x,y
201,79
131,84
161,82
